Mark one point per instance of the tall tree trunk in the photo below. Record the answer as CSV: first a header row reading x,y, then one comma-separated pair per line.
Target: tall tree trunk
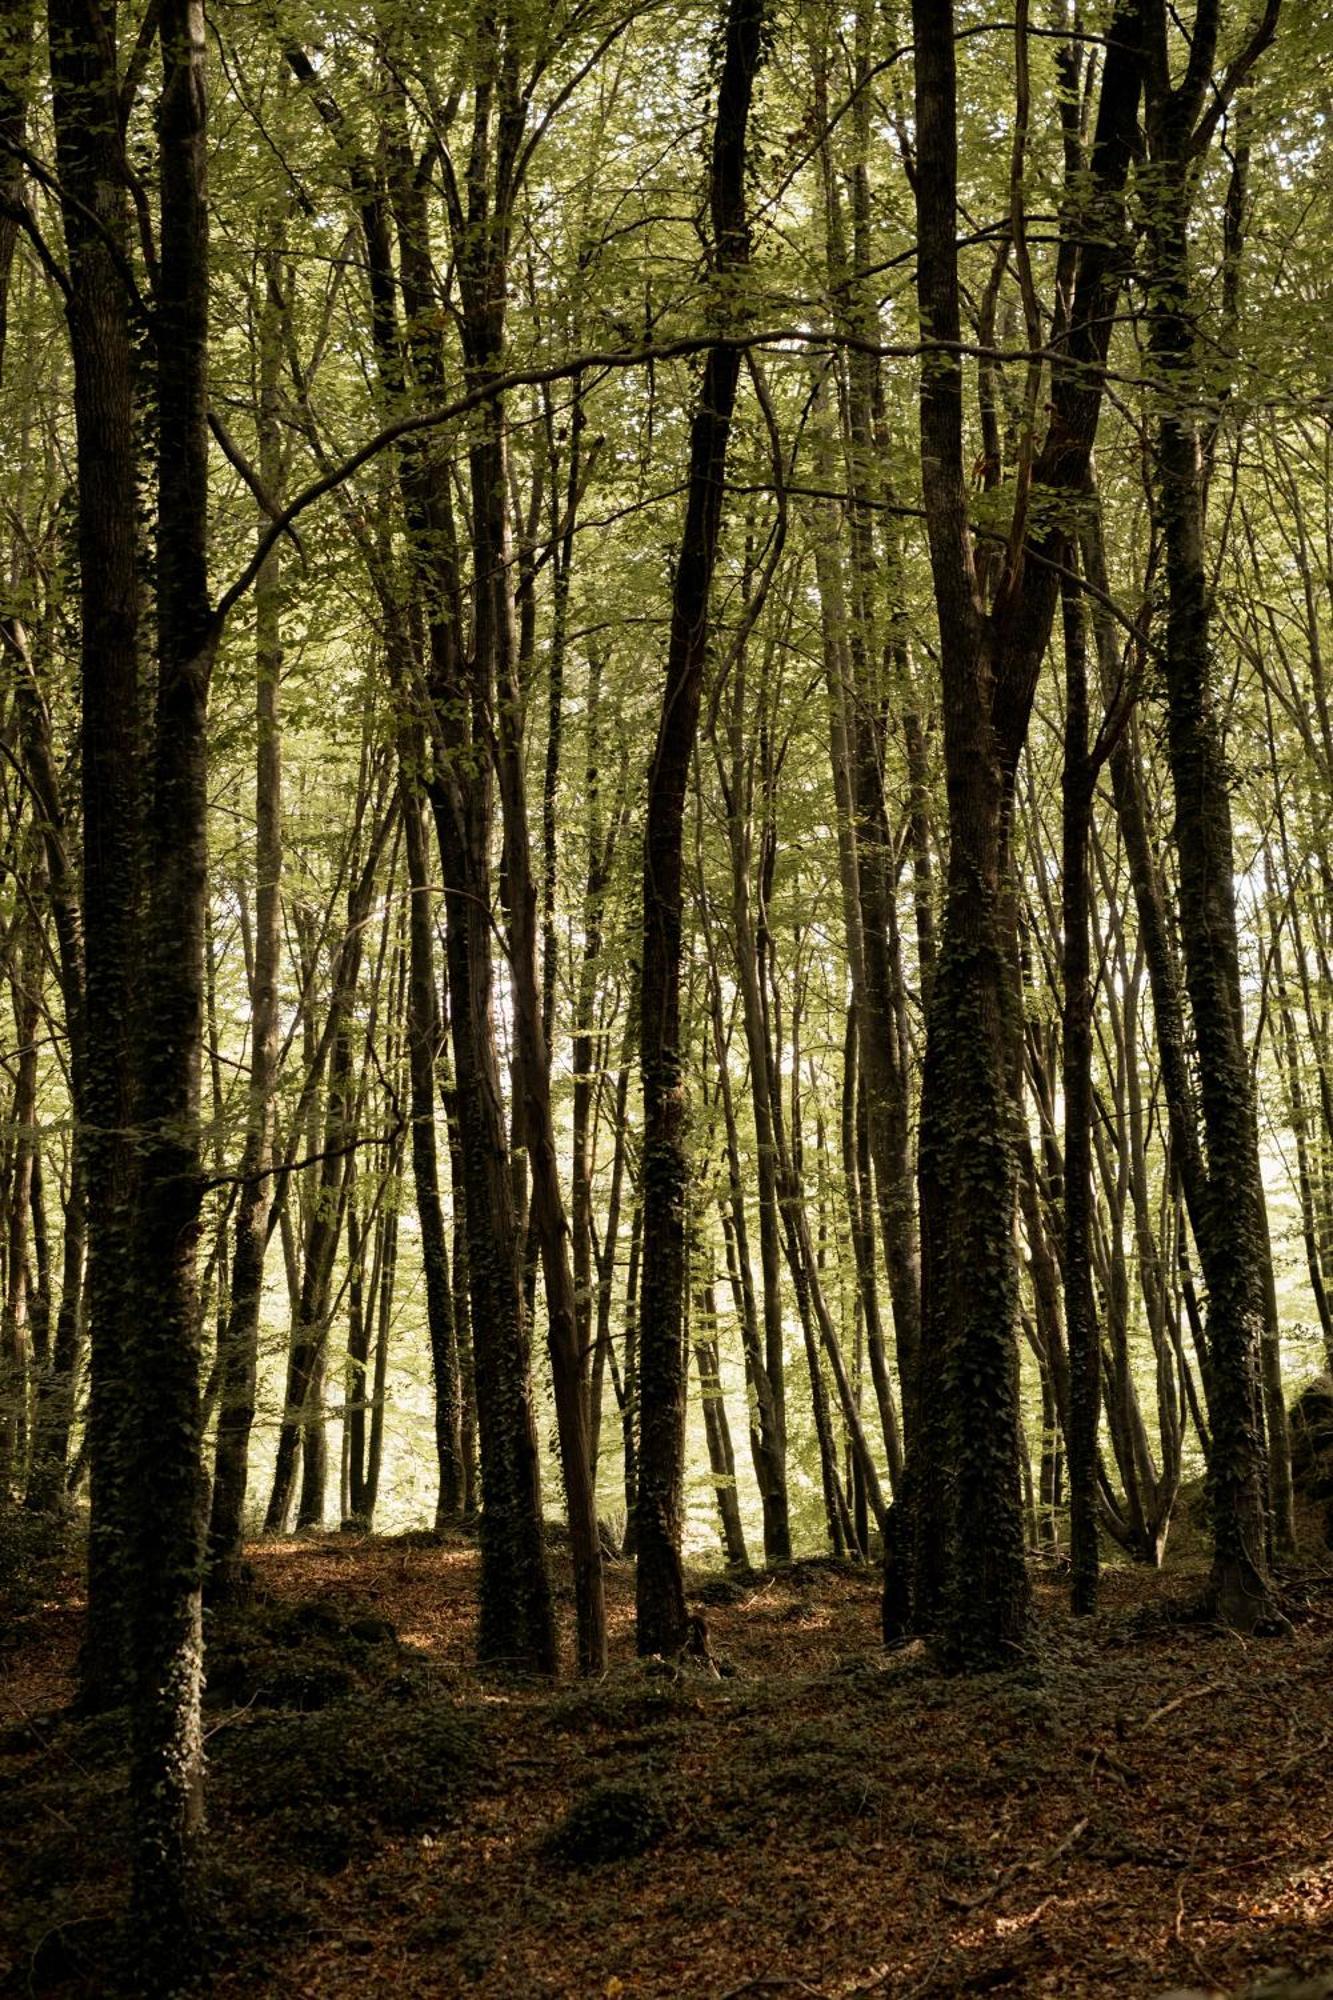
x,y
629,1414
568,1354
462,1305
970,1577
964,1481
717,1430
310,1330
166,1526
1080,1309
54,1413
239,1359
360,1314
382,1301
1233,1240
423,1034
516,1614
858,664
661,1624
86,105
17,1354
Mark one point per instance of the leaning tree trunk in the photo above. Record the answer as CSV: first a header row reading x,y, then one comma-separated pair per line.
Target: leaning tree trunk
x,y
660,1589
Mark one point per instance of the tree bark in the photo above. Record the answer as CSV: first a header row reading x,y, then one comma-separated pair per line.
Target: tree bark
x,y
166,1531
1233,1240
85,100
661,1619
1080,1308
964,1482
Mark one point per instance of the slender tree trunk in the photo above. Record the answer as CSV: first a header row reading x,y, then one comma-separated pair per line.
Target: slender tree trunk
x,y
387,1264
660,1591
423,1032
516,1614
85,98
605,1259
721,1456
1080,1308
857,1176
629,1416
239,1359
462,1308
359,1320
1233,1241
310,1330
54,1412
166,1534
18,1355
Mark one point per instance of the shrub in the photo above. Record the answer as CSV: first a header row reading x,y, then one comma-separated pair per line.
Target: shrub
x,y
612,1822
295,1655
327,1782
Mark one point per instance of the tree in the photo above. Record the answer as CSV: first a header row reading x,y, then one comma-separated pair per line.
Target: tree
x,y
1232,1220
661,1621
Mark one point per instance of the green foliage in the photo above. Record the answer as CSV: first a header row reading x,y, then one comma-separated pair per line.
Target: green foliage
x,y
296,1655
64,1832
323,1786
613,1822
34,1549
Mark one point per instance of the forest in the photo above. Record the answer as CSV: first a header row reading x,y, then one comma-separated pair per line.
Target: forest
x,y
666,998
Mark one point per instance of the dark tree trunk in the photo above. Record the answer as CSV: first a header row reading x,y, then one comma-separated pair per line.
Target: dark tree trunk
x,y
462,1308
359,1319
765,1436
857,662
1080,1309
629,1413
423,1031
310,1331
16,1357
970,1581
166,1525
858,1175
387,1263
660,1591
964,1481
568,1354
85,98
516,1615
1233,1245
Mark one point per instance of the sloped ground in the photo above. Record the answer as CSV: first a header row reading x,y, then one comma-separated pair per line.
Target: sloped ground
x,y
1148,1804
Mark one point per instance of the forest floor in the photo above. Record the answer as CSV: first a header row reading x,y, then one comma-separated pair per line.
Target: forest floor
x,y
1146,1803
